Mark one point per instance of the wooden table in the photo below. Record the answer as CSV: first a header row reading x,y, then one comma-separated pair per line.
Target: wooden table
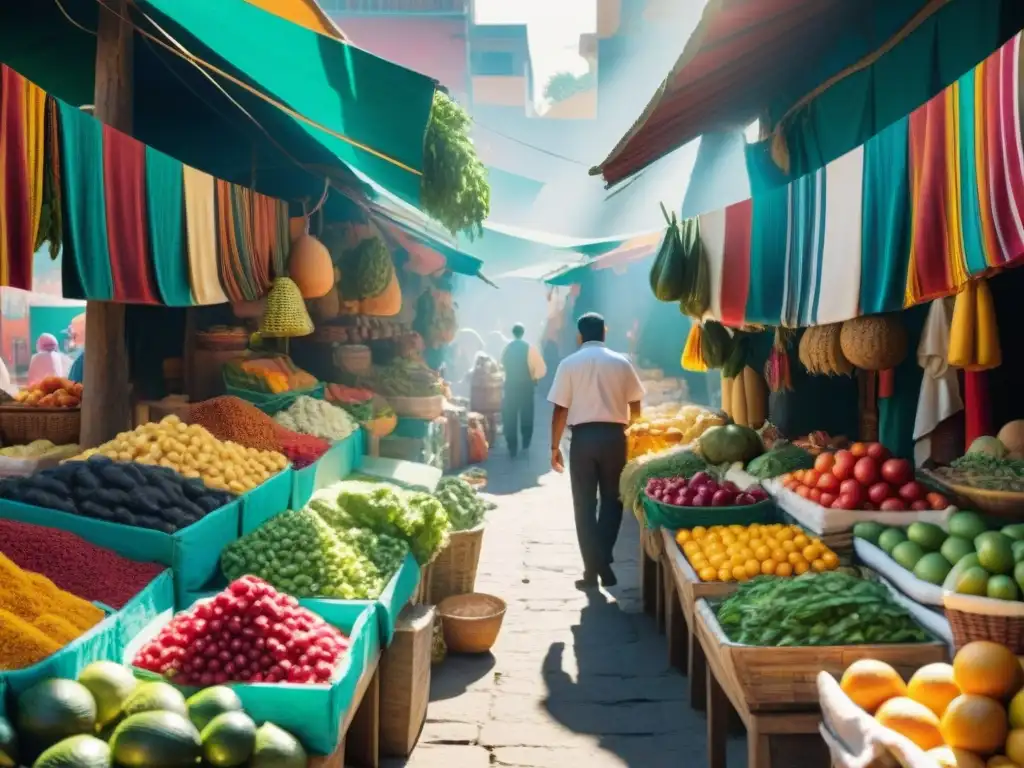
x,y
359,745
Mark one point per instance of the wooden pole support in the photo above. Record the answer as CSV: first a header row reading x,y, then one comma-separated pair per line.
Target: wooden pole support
x,y
106,409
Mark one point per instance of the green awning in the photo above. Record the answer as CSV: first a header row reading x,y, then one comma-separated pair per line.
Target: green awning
x,y
340,89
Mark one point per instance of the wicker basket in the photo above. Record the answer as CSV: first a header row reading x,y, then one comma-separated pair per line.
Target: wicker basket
x,y
20,425
426,408
1007,504
978,618
471,622
455,567
874,342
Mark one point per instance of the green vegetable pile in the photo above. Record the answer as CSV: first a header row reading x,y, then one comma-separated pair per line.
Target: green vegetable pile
x,y
463,504
454,189
781,459
818,609
981,470
405,378
677,462
366,269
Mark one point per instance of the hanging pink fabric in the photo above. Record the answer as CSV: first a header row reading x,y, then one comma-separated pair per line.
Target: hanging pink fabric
x,y
124,181
977,406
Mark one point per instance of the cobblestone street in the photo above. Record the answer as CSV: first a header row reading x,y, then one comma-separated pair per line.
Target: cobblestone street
x,y
575,679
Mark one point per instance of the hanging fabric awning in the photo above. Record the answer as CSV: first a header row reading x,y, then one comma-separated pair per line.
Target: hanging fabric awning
x,y
634,249
933,200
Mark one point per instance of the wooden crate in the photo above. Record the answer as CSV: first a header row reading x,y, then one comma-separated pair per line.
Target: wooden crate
x,y
422,594
360,728
688,584
777,679
405,681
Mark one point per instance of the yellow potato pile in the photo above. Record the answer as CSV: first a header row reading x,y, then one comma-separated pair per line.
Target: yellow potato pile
x,y
191,451
664,426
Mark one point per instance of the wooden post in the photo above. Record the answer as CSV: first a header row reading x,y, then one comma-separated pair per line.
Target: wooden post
x,y
106,409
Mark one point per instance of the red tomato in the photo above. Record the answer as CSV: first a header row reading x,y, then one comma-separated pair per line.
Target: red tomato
x,y
878,452
827,499
785,478
866,471
828,482
937,501
893,505
824,462
912,491
859,450
803,491
842,468
855,491
798,475
845,502
814,495
899,472
919,506
811,478
879,492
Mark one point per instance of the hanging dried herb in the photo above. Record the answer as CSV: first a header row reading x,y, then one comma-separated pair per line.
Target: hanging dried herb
x,y
776,369
454,189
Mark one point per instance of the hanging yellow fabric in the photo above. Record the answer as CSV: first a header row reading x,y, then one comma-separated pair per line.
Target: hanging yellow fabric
x,y
201,227
693,359
35,151
974,331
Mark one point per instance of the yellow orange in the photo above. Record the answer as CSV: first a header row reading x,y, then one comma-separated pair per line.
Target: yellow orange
x,y
818,566
974,723
947,757
801,568
739,573
753,568
768,567
1015,746
784,569
831,559
934,686
708,574
913,720
987,669
870,683
725,574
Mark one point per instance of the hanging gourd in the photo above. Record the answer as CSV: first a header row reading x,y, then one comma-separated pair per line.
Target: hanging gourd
x,y
696,295
973,332
821,351
667,272
310,266
874,342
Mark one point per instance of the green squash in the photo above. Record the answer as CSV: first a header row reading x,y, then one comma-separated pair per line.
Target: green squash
x,y
729,444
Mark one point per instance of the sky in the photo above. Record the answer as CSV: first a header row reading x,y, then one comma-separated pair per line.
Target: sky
x,y
553,27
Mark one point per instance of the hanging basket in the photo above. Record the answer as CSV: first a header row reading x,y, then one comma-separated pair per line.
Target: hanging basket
x,y
821,352
875,342
285,315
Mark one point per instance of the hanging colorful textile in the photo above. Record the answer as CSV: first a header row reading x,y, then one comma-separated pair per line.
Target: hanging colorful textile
x,y
165,201
201,228
21,175
51,226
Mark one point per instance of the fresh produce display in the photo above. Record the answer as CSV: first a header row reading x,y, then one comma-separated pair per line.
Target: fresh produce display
x,y
702,490
818,442
987,465
435,318
417,518
863,477
665,426
962,714
193,452
299,553
38,449
405,378
302,450
108,718
208,644
309,416
37,618
273,374
51,392
782,459
74,565
739,553
814,610
357,402
730,444
128,493
676,462
463,504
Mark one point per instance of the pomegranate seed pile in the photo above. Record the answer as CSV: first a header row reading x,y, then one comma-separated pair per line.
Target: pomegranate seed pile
x,y
251,633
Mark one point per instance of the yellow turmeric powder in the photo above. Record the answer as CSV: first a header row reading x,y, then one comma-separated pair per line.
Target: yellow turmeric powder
x,y
79,612
21,644
57,629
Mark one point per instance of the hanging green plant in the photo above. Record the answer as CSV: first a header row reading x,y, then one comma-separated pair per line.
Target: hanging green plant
x,y
454,189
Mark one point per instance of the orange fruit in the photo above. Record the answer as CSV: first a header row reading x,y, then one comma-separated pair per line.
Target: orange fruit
x,y
801,568
818,566
779,555
831,559
934,686
870,683
975,723
784,569
768,567
725,574
1015,746
739,573
947,757
752,567
910,719
988,669
708,574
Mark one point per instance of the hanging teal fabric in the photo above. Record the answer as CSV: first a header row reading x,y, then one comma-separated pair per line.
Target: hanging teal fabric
x,y
970,205
896,414
165,202
885,233
769,250
86,264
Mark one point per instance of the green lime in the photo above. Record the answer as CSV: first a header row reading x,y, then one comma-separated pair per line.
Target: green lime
x,y
954,548
869,530
995,552
1015,531
1018,575
1002,588
928,535
932,568
967,525
890,538
973,581
907,553
1018,551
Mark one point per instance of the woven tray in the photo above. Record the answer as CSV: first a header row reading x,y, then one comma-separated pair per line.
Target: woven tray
x,y
20,425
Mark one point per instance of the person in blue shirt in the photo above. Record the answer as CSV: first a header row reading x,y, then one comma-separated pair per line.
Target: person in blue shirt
x,y
77,368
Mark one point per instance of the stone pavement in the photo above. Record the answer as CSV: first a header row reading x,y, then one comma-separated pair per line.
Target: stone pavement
x,y
575,679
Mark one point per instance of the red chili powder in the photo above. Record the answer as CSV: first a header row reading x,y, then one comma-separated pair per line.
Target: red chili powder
x,y
75,565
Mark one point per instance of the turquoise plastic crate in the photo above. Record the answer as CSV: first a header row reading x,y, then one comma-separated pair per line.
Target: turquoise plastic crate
x,y
266,500
669,516
193,553
273,403
312,713
343,458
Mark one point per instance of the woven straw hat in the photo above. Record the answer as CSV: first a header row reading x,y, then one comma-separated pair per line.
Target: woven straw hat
x,y
285,315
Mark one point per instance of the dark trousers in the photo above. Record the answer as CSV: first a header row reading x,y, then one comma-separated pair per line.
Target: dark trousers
x,y
517,416
597,455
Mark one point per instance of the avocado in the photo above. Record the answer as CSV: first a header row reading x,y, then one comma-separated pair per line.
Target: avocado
x,y
53,710
155,740
210,702
110,685
155,697
276,748
229,740
80,751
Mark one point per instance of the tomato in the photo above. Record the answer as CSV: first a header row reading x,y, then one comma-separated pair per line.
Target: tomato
x,y
919,506
827,499
811,478
815,495
937,501
842,467
879,492
866,471
859,450
912,491
878,452
824,462
845,502
899,472
854,490
828,482
893,505
803,491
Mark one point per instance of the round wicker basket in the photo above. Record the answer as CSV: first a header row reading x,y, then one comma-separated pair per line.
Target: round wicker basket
x,y
821,353
874,342
471,622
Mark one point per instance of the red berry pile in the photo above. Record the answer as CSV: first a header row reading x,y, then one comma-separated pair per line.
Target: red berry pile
x,y
301,450
251,633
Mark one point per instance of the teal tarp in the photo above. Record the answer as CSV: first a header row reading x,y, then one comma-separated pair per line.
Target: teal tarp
x,y
341,460
267,500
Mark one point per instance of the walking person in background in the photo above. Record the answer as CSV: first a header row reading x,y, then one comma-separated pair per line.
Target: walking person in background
x,y
596,393
524,367
48,360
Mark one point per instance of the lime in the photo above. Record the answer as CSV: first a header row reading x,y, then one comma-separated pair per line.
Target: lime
x,y
932,568
1015,531
995,552
869,530
1018,551
967,525
1016,711
907,553
1002,588
890,538
954,548
1018,575
973,581
928,535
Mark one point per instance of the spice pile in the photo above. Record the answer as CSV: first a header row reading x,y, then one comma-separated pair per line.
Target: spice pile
x,y
250,632
75,565
36,618
192,451
128,493
309,416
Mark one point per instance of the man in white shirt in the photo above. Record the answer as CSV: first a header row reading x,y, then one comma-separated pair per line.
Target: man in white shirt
x,y
524,367
596,393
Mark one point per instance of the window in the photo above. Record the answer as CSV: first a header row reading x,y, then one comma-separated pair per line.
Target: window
x,y
493,63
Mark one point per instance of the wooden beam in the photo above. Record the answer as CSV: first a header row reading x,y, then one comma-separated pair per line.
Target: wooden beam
x,y
106,409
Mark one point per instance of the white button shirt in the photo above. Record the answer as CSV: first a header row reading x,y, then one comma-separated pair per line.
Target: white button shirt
x,y
596,384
